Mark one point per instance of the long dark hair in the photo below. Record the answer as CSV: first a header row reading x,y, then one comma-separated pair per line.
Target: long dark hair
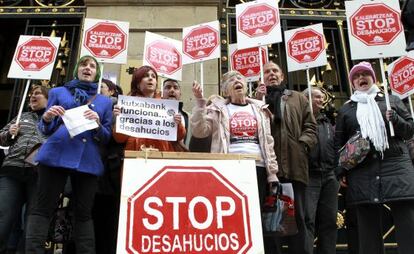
x,y
138,76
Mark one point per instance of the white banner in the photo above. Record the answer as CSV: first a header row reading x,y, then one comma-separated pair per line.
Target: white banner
x,y
106,40
189,206
258,23
147,118
34,57
375,29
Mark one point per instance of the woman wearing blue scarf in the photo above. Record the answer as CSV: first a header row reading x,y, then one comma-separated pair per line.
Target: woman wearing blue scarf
x,y
78,157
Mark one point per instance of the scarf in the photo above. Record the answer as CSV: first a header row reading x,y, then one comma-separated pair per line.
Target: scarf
x,y
370,118
81,90
273,99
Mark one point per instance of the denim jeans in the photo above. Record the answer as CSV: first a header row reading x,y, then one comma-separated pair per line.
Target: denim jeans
x,y
321,210
14,193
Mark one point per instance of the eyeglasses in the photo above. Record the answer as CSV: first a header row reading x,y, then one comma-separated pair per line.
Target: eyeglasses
x,y
361,73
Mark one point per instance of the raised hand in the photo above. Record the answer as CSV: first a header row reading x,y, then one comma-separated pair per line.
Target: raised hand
x,y
197,90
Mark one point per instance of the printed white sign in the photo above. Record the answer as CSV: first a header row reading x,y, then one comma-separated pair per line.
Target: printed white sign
x,y
147,118
305,47
34,57
164,55
258,23
401,75
246,61
201,42
375,29
189,206
106,40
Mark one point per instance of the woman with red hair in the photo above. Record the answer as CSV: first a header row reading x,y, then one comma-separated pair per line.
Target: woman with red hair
x,y
144,84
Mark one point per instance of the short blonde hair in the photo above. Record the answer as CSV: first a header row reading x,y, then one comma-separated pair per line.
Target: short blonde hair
x,y
225,80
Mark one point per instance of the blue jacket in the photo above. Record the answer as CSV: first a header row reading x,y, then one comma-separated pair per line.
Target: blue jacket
x,y
80,153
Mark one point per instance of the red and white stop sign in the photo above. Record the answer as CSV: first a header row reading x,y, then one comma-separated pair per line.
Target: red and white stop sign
x,y
402,76
105,40
376,24
35,54
168,215
247,61
164,57
200,42
305,45
258,20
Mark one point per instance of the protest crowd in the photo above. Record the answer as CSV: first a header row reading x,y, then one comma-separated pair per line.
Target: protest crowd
x,y
61,181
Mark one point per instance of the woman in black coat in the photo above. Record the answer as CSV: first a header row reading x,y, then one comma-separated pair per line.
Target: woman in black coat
x,y
386,175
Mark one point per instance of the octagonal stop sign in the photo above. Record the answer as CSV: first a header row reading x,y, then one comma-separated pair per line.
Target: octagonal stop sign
x,y
402,76
35,54
169,215
247,61
258,20
305,45
105,40
375,24
164,57
200,42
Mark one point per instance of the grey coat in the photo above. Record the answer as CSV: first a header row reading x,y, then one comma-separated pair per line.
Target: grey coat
x,y
377,180
19,147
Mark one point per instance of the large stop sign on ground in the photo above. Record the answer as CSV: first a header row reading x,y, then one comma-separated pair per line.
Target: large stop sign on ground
x,y
105,40
401,76
200,42
164,57
169,215
258,20
375,24
305,45
35,54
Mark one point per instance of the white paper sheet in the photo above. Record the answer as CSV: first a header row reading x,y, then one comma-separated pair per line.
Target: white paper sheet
x,y
76,123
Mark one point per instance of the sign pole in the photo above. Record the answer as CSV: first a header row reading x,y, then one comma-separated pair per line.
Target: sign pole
x,y
387,99
202,78
26,90
250,88
411,106
309,90
101,66
261,70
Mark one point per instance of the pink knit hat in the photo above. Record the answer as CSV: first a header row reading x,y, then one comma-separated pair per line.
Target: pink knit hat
x,y
362,66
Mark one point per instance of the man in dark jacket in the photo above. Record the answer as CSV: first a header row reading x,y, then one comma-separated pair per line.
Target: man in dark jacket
x,y
172,91
321,193
294,132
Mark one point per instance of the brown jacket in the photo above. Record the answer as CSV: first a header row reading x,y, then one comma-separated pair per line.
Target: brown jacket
x,y
297,128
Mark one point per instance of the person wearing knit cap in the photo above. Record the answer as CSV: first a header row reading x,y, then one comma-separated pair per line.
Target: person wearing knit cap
x,y
62,156
386,175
